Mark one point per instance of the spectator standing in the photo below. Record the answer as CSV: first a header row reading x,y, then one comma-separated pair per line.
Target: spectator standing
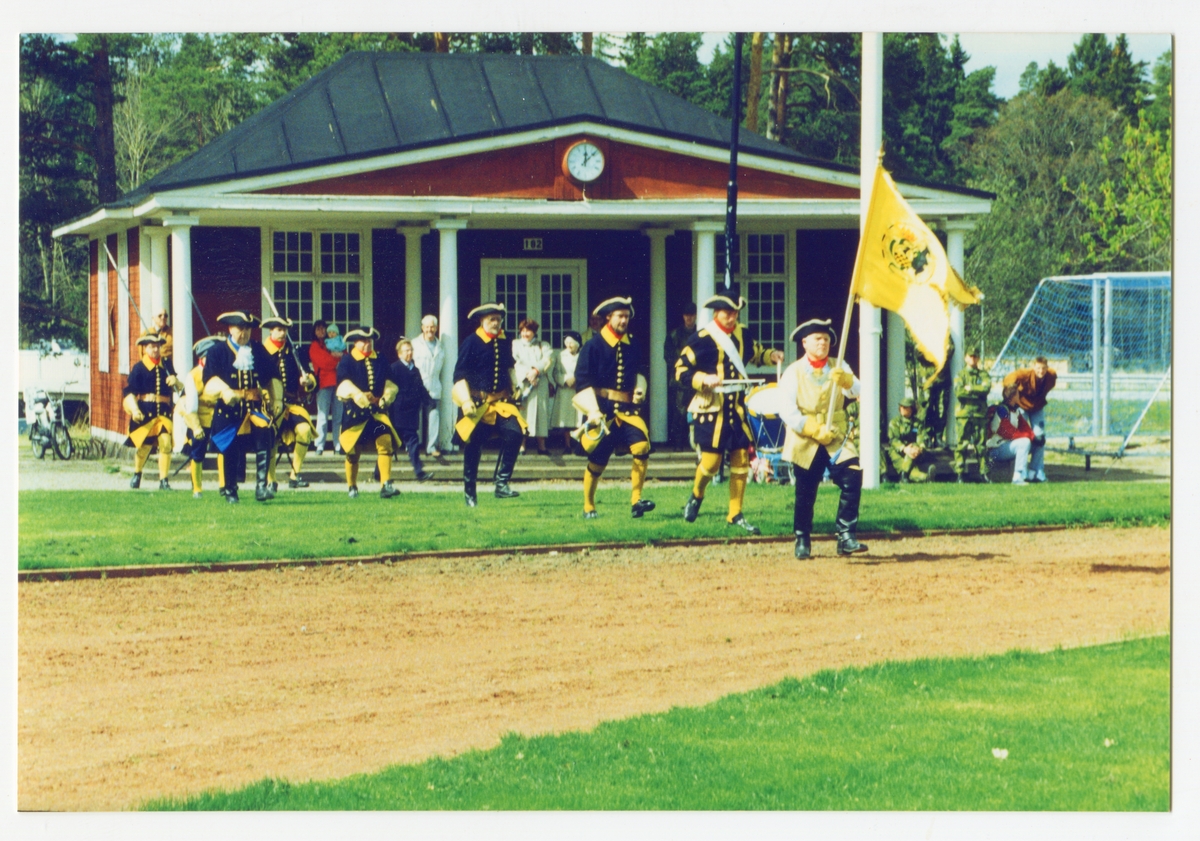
x,y
411,398
329,409
430,359
532,360
161,325
1033,384
679,394
971,389
564,415
1010,437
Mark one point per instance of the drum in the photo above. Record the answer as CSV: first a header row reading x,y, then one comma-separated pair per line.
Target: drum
x,y
763,410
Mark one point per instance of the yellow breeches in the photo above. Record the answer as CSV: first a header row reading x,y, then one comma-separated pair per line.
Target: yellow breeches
x,y
142,455
383,449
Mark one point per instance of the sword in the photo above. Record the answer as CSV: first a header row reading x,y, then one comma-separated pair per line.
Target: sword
x,y
291,344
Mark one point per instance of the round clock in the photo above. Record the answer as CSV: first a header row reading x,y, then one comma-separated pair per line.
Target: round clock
x,y
584,162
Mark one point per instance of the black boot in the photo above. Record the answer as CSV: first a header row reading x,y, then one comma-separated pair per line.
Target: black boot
x,y
803,546
505,463
262,460
388,491
164,485
741,522
641,507
847,513
692,509
847,545
297,481
470,473
136,481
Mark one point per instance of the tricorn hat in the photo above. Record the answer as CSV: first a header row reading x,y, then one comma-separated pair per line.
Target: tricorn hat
x,y
151,338
815,325
276,321
202,347
362,333
724,302
612,305
490,308
237,318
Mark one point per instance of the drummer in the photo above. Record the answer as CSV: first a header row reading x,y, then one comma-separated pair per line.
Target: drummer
x,y
713,363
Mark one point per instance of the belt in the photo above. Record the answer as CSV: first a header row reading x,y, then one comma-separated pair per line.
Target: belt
x,y
489,397
153,398
614,396
250,394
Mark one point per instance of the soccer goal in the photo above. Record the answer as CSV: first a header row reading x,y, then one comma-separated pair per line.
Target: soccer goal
x,y
1108,337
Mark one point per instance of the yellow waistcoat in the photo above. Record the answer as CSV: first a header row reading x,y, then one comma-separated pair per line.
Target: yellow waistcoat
x,y
812,398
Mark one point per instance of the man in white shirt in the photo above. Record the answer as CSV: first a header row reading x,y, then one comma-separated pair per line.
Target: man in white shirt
x,y
429,357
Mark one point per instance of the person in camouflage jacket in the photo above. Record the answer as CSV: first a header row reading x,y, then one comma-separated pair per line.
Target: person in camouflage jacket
x,y
907,451
971,389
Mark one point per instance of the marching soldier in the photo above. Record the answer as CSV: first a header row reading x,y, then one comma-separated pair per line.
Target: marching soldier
x,y
293,425
608,391
715,355
484,384
244,379
971,389
148,391
812,443
195,410
366,390
906,451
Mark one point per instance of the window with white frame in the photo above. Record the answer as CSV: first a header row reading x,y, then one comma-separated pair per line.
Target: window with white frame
x,y
558,305
760,267
512,290
317,275
551,292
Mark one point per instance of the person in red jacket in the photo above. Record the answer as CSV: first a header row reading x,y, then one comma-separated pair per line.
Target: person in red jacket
x,y
1033,384
1010,437
324,365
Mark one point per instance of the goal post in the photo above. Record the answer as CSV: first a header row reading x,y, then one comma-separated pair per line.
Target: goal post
x,y
1108,337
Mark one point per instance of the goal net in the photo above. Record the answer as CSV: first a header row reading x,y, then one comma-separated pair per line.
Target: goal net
x,y
1108,338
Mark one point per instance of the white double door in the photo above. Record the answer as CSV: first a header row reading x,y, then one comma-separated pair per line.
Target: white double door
x,y
551,292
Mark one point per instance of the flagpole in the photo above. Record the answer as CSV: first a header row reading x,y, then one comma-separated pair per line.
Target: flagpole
x,y
735,106
845,334
871,141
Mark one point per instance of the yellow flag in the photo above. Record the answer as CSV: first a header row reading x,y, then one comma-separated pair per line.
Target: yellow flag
x,y
901,266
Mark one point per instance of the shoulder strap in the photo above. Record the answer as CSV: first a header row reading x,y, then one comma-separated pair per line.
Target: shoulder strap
x,y
726,344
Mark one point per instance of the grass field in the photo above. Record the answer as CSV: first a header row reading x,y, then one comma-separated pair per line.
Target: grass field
x,y
1083,729
72,529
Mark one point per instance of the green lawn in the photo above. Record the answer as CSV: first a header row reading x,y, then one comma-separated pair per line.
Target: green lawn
x,y
1085,729
70,529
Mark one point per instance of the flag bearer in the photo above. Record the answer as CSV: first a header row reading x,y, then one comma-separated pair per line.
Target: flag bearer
x,y
366,390
293,425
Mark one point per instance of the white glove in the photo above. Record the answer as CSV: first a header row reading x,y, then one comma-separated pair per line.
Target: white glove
x,y
595,418
469,407
138,416
362,400
230,397
825,435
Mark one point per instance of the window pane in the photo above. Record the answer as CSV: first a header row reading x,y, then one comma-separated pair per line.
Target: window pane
x,y
293,262
306,263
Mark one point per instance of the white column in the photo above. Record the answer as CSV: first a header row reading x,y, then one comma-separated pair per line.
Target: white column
x,y
147,280
102,303
895,363
156,275
869,326
955,231
705,234
181,289
448,316
412,277
658,332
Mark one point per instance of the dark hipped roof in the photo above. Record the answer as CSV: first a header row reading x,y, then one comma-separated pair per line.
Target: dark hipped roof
x,y
375,103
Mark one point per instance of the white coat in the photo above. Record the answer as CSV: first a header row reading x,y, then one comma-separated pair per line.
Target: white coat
x,y
429,359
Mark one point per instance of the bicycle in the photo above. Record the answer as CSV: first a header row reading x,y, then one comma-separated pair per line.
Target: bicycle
x,y
48,430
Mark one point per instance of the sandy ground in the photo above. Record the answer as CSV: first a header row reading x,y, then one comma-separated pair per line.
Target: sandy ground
x,y
131,689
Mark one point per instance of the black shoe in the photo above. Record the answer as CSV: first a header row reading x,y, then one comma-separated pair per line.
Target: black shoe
x,y
740,522
353,492
223,492
904,480
231,496
641,507
692,509
136,481
803,546
297,481
387,491
847,545
424,476
591,515
273,487
505,492
164,485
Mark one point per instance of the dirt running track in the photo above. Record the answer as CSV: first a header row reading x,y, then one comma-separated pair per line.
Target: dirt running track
x,y
130,689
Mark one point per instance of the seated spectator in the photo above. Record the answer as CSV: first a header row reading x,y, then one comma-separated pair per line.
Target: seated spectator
x,y
1033,384
405,413
906,453
564,415
1010,437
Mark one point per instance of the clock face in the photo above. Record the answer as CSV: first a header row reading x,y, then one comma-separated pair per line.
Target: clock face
x,y
585,162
